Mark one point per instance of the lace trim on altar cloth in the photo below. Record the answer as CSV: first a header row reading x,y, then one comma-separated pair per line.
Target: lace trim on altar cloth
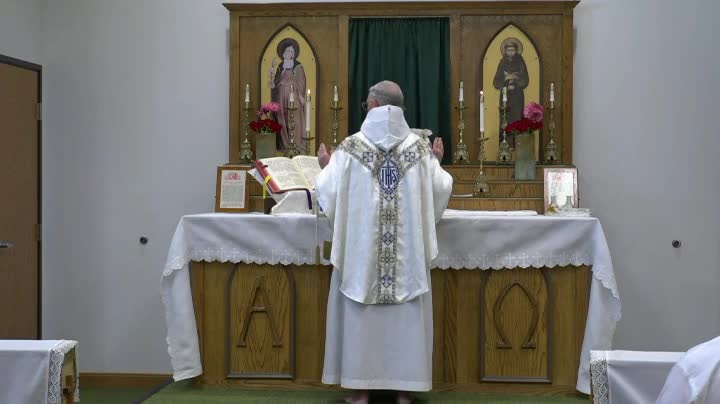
x,y
57,357
273,257
307,257
598,370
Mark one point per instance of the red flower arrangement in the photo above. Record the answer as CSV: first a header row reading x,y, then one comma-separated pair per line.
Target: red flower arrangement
x,y
265,123
533,116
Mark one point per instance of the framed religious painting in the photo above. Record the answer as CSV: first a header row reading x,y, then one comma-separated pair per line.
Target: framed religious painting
x,y
561,190
232,191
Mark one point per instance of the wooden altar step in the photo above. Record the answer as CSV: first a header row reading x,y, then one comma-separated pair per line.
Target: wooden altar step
x,y
505,172
535,204
502,188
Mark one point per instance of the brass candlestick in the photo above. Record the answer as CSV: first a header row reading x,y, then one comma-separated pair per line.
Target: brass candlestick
x,y
552,153
504,154
335,125
291,151
461,153
481,184
246,154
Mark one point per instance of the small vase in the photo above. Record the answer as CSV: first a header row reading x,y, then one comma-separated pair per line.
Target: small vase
x,y
568,202
524,156
264,144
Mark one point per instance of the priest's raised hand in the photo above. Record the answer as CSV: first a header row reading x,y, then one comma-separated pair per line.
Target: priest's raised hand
x,y
323,155
437,148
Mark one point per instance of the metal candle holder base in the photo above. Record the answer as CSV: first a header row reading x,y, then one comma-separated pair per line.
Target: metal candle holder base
x,y
291,151
246,153
335,125
504,153
461,154
552,152
481,185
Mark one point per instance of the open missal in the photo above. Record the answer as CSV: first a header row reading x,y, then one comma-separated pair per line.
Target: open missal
x,y
287,174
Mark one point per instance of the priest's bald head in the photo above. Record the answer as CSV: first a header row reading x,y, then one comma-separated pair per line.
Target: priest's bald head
x,y
385,93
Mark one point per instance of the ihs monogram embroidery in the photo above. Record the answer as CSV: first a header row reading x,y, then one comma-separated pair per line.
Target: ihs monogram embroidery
x,y
388,168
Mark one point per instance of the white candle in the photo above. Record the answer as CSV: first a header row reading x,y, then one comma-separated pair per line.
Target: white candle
x,y
552,92
504,94
461,98
307,112
247,93
335,96
292,95
482,112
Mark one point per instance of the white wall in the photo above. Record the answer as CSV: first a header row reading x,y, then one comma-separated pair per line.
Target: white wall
x,y
136,97
21,29
646,143
136,118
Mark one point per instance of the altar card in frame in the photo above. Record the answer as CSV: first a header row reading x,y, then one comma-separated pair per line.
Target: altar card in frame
x,y
560,185
232,191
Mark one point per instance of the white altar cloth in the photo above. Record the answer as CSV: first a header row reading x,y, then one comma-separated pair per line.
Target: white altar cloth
x,y
630,376
465,241
30,370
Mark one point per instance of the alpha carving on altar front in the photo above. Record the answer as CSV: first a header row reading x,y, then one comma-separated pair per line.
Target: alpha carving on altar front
x,y
261,322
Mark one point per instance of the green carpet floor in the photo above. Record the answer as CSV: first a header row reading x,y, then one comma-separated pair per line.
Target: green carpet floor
x,y
104,395
186,393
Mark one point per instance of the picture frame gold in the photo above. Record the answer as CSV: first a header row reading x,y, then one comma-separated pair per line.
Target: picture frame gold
x,y
232,193
561,183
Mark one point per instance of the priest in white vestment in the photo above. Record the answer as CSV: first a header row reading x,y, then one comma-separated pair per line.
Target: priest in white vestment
x,y
695,379
383,190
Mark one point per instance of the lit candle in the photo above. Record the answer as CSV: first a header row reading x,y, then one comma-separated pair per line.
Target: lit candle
x,y
307,112
292,95
247,93
504,96
461,98
482,112
552,93
335,96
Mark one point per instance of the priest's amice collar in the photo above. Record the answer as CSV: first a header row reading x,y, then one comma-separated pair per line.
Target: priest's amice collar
x,y
385,126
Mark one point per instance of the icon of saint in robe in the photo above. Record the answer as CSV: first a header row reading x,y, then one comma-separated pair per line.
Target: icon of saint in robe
x,y
512,73
288,72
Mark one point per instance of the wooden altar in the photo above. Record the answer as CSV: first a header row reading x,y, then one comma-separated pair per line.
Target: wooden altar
x,y
494,331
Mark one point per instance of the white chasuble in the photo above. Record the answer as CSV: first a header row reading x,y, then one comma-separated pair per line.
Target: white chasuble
x,y
383,192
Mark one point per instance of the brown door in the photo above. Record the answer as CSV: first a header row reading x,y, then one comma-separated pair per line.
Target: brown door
x,y
19,200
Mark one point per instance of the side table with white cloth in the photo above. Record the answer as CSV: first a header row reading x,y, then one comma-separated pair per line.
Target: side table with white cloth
x,y
38,371
519,300
629,376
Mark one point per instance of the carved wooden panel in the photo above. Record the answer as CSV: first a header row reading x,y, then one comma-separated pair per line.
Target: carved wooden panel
x,y
261,322
516,326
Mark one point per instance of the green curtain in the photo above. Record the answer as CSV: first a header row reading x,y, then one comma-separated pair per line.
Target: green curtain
x,y
413,52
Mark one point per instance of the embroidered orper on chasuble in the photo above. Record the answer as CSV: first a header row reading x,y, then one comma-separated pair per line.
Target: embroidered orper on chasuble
x,y
383,205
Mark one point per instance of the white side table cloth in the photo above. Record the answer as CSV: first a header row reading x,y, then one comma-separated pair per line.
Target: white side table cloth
x,y
465,241
30,370
630,376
